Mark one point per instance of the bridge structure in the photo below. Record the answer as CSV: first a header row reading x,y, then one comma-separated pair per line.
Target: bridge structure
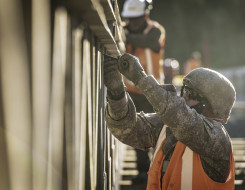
x,y
52,129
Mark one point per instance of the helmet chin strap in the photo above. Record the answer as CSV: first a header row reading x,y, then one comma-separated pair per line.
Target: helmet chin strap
x,y
199,107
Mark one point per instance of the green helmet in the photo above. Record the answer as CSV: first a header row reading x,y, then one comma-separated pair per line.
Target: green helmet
x,y
215,87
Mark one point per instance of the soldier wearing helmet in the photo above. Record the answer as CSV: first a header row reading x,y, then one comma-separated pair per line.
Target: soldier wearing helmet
x,y
145,39
192,148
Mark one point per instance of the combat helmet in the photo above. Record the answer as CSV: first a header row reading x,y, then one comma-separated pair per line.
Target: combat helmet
x,y
215,87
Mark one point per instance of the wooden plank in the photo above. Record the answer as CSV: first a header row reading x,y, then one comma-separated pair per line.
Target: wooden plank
x,y
125,182
238,147
130,153
239,182
240,171
129,172
238,141
239,158
240,165
129,165
130,159
238,152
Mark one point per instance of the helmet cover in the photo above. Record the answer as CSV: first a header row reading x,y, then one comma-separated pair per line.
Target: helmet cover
x,y
215,87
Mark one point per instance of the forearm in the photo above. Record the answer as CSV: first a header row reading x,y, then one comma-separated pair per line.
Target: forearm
x,y
156,95
137,130
118,109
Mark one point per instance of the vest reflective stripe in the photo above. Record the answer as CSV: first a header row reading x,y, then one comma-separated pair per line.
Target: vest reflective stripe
x,y
187,169
160,140
149,61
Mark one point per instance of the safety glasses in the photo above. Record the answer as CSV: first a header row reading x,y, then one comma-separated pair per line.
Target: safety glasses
x,y
192,94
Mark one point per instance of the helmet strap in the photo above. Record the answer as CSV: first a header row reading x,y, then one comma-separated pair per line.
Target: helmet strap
x,y
199,107
182,90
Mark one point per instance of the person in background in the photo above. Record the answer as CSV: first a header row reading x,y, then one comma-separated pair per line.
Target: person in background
x,y
170,70
192,148
145,39
193,62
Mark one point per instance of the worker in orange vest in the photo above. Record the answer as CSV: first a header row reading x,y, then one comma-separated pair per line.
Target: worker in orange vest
x,y
192,148
145,39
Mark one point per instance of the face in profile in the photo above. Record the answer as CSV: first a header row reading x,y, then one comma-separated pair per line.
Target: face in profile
x,y
190,96
136,24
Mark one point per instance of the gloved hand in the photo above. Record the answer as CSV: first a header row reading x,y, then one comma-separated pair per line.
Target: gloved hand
x,y
112,78
169,87
131,68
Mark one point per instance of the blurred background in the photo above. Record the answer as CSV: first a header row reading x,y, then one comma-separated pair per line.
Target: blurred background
x,y
215,28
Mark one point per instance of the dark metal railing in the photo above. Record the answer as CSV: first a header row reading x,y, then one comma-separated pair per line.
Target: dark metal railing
x,y
52,130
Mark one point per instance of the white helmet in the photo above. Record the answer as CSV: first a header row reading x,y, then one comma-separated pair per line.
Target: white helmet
x,y
135,8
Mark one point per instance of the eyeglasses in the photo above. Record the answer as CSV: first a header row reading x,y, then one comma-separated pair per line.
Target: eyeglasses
x,y
192,94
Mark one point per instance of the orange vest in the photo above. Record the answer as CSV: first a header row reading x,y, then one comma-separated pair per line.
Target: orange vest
x,y
184,172
149,59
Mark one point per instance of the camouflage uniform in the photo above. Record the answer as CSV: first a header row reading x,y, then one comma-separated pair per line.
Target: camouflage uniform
x,y
205,136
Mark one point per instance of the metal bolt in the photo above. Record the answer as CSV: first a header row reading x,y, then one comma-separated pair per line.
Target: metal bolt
x,y
125,64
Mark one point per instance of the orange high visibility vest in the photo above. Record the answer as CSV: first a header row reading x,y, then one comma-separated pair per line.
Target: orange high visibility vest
x,y
149,59
185,171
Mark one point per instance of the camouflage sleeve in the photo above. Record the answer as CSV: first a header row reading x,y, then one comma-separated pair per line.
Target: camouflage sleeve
x,y
138,130
200,134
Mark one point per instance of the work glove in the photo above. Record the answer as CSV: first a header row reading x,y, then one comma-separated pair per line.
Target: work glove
x,y
113,78
131,68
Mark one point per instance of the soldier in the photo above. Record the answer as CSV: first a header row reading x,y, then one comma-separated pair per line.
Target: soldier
x,y
192,147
